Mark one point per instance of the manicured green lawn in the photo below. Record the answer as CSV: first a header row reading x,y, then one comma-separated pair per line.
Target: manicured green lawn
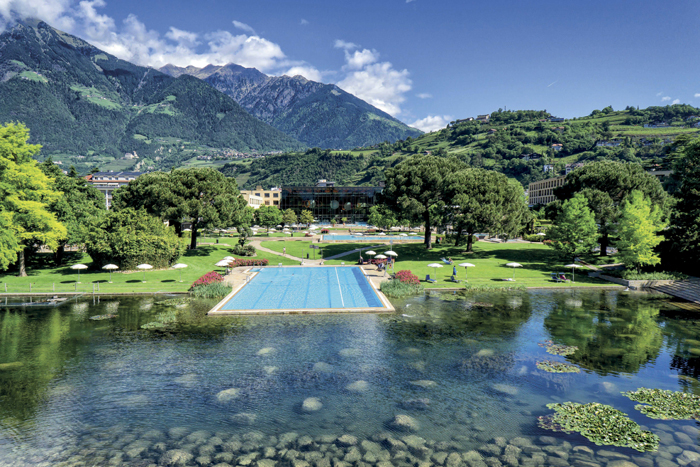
x,y
199,262
301,248
489,259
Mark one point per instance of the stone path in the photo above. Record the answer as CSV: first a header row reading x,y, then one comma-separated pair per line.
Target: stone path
x,y
258,246
688,289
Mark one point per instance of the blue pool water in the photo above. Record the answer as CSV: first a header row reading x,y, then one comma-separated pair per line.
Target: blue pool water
x,y
370,238
306,288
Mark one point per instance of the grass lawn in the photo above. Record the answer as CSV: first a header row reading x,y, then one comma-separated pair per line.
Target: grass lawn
x,y
301,248
199,262
538,261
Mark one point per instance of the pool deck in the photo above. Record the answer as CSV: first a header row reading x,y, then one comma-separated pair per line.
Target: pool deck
x,y
239,277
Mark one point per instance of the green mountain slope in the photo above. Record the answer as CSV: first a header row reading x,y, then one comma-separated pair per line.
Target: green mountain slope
x,y
89,108
520,144
320,115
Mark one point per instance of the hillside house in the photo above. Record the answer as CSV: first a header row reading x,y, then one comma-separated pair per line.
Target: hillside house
x,y
483,118
556,119
557,147
608,144
570,167
491,131
548,168
656,125
530,157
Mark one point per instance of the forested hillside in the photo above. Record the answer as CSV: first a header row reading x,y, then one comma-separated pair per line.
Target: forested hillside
x,y
525,145
89,108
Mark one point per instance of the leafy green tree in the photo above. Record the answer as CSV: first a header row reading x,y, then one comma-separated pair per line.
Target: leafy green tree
x,y
202,196
606,185
575,232
381,216
289,217
306,217
416,188
80,208
25,195
268,216
683,236
129,237
639,224
484,201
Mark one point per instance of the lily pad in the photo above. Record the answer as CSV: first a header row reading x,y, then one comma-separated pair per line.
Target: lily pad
x,y
558,349
666,405
101,317
175,301
600,424
558,367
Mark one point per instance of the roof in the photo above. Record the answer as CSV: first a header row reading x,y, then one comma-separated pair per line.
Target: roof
x,y
117,174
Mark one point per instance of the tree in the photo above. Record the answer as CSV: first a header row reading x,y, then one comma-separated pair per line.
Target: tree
x,y
639,224
484,201
129,237
606,184
25,195
203,196
268,216
306,217
289,217
683,237
575,232
80,208
381,216
416,188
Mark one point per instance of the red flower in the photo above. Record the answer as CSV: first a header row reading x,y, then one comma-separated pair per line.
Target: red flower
x,y
407,277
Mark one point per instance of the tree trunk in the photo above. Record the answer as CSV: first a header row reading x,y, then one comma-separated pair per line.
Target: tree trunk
x,y
428,230
178,227
22,264
58,255
470,242
458,237
604,242
193,241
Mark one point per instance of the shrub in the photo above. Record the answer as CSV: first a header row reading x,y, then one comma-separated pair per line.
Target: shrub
x,y
652,276
208,278
244,250
325,231
213,290
397,289
407,277
237,262
534,238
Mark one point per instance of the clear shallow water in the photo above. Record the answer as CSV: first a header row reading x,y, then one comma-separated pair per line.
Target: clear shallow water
x,y
78,391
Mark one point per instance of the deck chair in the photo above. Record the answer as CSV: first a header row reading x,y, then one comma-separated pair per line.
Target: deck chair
x,y
454,279
562,277
428,279
555,277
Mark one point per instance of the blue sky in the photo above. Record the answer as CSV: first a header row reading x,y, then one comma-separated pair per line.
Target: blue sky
x,y
423,61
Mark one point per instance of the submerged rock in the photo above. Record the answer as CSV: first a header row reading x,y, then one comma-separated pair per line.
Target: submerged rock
x,y
228,395
424,383
404,423
311,404
176,457
189,380
244,418
323,367
346,441
505,389
484,353
266,351
349,353
270,369
416,404
358,386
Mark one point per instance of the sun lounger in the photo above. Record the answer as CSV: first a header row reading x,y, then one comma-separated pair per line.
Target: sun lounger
x,y
428,279
555,277
453,279
445,261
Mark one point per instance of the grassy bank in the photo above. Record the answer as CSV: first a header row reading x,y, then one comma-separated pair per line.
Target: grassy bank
x,y
301,248
63,279
490,259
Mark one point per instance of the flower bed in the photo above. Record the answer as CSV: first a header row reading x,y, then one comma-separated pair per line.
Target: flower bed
x,y
325,231
237,262
208,278
407,277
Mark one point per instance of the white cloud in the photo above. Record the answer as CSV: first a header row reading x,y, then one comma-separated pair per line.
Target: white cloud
x,y
676,101
697,94
341,44
665,98
304,22
359,59
424,95
659,94
409,1
380,85
307,72
432,122
244,27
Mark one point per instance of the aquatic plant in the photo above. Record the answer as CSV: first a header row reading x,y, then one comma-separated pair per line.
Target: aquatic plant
x,y
600,424
666,405
557,367
397,289
174,301
494,288
558,349
101,317
216,290
163,320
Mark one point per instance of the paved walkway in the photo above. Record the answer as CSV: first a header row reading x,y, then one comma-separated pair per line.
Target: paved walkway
x,y
688,289
258,246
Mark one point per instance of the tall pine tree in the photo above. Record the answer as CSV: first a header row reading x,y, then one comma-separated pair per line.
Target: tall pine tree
x,y
575,232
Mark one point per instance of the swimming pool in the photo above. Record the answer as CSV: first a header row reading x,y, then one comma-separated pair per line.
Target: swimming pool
x,y
370,238
305,288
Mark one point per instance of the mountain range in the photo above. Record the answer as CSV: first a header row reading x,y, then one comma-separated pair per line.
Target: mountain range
x,y
89,108
317,114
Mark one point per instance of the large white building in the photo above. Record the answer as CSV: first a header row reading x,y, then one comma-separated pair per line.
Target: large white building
x,y
107,182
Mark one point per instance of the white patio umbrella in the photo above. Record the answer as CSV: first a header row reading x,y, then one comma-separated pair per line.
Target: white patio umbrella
x,y
465,266
434,265
403,235
78,267
110,268
187,230
541,234
279,226
514,265
144,267
380,257
179,266
229,258
358,233
381,233
223,264
371,253
573,267
391,253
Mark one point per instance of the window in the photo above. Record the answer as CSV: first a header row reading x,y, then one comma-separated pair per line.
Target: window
x,y
267,195
267,203
257,194
275,195
276,203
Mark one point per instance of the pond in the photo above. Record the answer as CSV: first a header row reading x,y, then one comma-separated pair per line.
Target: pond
x,y
446,380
